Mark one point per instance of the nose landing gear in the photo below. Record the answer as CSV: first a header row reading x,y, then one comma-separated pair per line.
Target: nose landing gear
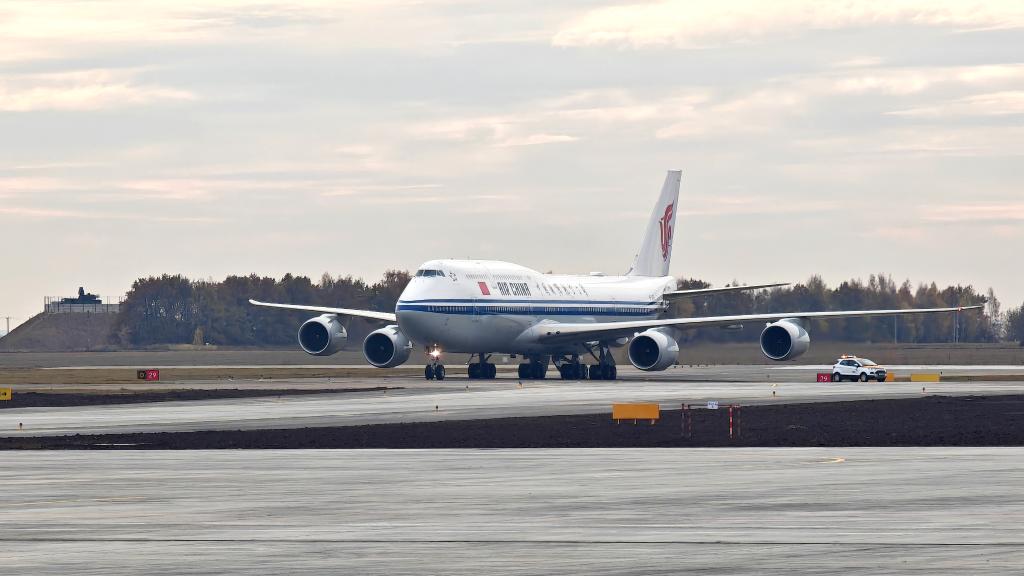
x,y
435,369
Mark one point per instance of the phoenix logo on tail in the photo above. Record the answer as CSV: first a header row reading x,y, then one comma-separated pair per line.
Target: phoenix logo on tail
x,y
666,231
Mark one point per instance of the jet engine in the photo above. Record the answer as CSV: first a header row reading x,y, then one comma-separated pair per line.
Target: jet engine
x,y
323,335
387,347
653,350
784,340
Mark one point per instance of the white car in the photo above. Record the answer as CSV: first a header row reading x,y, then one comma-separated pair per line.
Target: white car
x,y
854,368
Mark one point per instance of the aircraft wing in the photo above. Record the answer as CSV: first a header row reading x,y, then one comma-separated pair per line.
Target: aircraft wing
x,y
369,314
677,294
553,333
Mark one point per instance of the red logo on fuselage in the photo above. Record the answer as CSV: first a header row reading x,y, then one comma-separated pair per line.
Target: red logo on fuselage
x,y
666,231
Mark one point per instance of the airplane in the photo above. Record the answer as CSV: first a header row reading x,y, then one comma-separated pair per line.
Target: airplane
x,y
485,307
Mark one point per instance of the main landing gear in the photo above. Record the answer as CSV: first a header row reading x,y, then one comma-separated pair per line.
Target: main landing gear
x,y
434,370
535,369
482,370
570,368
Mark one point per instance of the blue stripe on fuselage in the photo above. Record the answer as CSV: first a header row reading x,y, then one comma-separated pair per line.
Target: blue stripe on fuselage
x,y
533,301
497,309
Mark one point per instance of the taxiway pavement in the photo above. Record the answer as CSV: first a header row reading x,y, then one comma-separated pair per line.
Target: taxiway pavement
x,y
722,511
463,399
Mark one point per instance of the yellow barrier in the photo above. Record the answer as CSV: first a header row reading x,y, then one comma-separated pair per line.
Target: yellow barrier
x,y
650,412
925,377
6,393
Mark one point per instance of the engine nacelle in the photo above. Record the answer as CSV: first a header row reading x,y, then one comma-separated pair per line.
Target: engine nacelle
x,y
653,350
784,340
387,347
323,335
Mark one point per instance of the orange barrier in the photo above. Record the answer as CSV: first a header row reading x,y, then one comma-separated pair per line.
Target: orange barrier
x,y
636,412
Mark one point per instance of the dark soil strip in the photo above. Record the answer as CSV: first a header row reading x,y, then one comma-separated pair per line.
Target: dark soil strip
x,y
928,421
54,399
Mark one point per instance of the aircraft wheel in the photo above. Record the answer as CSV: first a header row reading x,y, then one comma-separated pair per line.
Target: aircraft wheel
x,y
595,372
524,371
428,372
492,371
537,370
439,372
614,373
474,371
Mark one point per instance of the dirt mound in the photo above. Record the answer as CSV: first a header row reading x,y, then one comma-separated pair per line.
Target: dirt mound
x,y
61,333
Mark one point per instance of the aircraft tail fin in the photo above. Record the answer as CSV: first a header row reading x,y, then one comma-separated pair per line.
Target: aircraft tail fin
x,y
655,253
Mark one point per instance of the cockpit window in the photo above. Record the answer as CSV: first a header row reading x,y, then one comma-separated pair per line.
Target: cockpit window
x,y
429,273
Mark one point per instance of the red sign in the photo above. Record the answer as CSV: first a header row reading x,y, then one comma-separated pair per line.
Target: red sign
x,y
483,288
152,374
824,377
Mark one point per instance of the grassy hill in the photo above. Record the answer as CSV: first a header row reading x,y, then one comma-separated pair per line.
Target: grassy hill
x,y
61,333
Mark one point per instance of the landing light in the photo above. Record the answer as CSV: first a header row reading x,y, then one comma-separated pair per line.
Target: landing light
x,y
436,353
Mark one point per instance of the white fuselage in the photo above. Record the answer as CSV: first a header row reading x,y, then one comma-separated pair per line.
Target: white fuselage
x,y
475,306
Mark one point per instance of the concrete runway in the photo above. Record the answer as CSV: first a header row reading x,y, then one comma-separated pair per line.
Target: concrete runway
x,y
725,511
454,401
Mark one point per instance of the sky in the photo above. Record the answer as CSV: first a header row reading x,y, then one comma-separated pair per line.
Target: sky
x,y
211,138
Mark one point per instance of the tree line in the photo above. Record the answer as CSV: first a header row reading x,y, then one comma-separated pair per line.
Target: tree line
x,y
172,309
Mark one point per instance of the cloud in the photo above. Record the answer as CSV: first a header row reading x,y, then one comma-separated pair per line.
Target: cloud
x,y
862,62
975,212
465,128
987,141
696,112
402,197
48,30
750,205
48,166
535,139
81,90
373,190
686,24
911,80
991,104
55,214
499,131
26,185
